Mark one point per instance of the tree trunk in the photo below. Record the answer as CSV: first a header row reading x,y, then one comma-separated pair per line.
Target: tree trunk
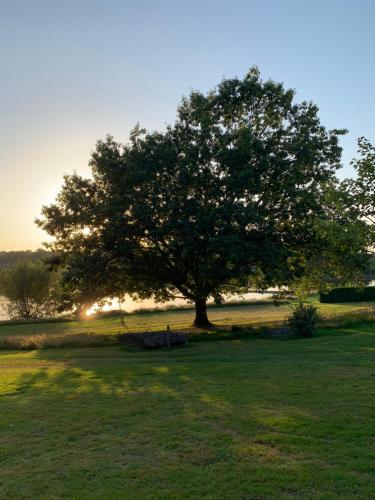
x,y
201,319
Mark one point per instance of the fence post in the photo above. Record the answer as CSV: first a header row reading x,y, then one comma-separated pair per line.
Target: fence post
x,y
168,337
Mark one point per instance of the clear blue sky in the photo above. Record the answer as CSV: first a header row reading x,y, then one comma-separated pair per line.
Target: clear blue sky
x,y
73,71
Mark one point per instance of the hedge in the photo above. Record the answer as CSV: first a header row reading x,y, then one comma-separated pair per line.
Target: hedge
x,y
349,294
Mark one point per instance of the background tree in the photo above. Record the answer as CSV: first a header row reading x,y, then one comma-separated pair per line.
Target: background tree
x,y
362,188
226,198
346,237
29,289
343,244
358,196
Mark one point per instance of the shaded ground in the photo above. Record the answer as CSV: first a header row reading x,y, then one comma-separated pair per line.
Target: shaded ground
x,y
253,418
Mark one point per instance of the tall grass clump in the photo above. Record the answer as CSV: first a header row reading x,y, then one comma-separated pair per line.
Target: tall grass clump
x,y
42,341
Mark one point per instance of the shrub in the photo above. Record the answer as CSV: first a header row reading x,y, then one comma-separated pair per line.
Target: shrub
x,y
303,319
236,328
349,294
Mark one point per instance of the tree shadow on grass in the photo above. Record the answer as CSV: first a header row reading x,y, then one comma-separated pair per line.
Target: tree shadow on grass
x,y
221,417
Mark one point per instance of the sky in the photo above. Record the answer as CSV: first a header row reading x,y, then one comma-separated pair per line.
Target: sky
x,y
73,71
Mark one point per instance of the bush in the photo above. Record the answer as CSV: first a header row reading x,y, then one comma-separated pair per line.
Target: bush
x,y
349,294
303,319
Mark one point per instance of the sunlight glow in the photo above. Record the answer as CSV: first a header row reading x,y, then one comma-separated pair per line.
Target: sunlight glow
x,y
95,308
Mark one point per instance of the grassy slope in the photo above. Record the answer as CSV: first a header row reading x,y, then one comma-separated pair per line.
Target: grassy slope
x,y
178,319
255,418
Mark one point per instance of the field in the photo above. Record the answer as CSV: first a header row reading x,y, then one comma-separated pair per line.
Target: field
x,y
249,418
252,314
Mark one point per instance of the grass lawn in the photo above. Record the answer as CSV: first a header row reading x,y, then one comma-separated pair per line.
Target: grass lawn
x,y
241,419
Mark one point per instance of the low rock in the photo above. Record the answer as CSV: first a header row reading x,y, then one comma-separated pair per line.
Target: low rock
x,y
153,340
281,331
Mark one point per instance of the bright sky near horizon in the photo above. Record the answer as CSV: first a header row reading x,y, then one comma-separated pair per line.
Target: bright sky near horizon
x,y
73,71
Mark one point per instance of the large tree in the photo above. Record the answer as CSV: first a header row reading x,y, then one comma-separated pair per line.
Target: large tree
x,y
226,198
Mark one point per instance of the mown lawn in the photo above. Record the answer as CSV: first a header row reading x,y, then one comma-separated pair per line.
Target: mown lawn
x,y
251,314
241,419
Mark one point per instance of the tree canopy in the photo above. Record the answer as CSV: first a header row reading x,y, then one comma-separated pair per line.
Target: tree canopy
x,y
231,196
361,189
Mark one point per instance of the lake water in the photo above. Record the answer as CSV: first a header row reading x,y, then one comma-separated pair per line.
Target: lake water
x,y
130,305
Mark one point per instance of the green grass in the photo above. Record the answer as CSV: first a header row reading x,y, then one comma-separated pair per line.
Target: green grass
x,y
182,319
241,419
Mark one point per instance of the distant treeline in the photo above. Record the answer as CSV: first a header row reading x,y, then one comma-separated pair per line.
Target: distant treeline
x,y
9,258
